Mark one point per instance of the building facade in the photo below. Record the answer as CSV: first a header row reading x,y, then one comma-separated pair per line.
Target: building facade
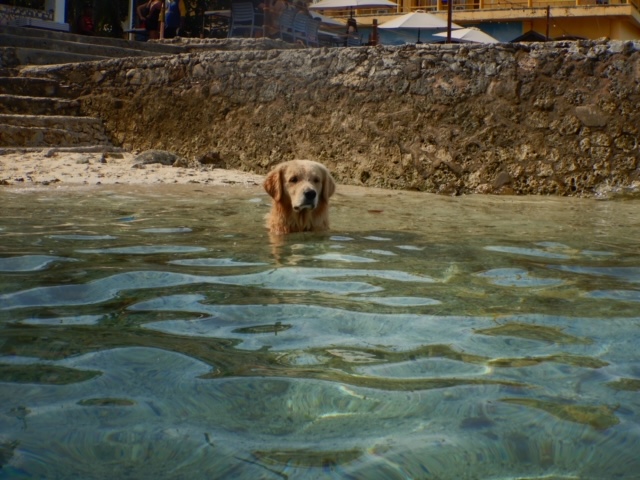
x,y
509,19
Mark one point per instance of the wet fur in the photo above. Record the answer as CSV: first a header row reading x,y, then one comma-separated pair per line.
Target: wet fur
x,y
286,195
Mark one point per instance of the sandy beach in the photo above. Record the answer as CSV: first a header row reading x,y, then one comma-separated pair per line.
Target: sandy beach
x,y
51,168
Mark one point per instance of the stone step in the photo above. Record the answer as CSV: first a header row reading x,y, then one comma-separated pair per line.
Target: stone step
x,y
152,47
21,136
26,105
52,121
21,42
37,56
56,149
38,87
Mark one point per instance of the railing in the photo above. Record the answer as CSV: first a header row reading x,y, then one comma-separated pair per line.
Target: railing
x,y
439,5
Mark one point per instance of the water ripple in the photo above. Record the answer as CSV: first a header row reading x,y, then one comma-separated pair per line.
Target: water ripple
x,y
30,263
381,252
399,301
425,368
83,237
312,326
290,278
531,252
517,277
377,239
627,274
77,320
167,230
214,262
316,326
144,250
340,238
336,257
620,295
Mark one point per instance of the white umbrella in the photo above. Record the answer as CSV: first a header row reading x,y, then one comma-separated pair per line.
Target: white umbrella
x,y
327,20
418,20
471,35
344,4
351,4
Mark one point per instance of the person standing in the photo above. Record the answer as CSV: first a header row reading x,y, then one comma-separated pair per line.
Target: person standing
x,y
150,13
172,19
85,21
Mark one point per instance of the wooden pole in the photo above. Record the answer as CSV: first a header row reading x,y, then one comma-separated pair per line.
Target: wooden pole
x,y
548,15
374,32
449,15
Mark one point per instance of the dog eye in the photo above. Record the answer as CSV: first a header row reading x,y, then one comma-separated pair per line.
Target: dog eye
x,y
316,180
293,180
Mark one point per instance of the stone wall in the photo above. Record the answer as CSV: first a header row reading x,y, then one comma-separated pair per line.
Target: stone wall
x,y
555,118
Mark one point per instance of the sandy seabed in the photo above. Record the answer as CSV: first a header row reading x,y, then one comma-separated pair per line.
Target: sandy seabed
x,y
47,169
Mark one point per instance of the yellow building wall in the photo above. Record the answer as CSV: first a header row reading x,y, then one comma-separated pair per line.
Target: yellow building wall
x,y
588,28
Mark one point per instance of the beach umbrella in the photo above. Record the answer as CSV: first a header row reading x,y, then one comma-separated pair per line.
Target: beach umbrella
x,y
418,20
469,35
326,20
351,4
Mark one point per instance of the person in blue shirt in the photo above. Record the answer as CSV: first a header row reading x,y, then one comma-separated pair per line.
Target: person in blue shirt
x,y
172,19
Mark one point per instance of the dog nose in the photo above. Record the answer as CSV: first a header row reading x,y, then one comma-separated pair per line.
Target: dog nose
x,y
310,194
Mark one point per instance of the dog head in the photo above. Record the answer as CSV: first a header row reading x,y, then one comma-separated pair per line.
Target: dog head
x,y
300,184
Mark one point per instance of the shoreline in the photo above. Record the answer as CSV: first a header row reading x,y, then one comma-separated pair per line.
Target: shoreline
x,y
46,168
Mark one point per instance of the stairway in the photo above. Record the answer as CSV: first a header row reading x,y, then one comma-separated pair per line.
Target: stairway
x,y
32,46
37,113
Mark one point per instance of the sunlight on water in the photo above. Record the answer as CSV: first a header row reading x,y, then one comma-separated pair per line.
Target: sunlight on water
x,y
162,334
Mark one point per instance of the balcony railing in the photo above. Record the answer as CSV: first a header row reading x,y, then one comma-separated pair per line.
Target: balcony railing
x,y
441,5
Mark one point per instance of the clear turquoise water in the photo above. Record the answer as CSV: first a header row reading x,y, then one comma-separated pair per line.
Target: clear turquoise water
x,y
161,333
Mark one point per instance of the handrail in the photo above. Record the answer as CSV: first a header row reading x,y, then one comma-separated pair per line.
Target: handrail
x,y
432,6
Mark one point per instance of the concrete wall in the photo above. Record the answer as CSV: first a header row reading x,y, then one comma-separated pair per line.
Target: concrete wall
x,y
558,118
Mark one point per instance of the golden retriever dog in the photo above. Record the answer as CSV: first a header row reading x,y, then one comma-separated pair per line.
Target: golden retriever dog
x,y
300,190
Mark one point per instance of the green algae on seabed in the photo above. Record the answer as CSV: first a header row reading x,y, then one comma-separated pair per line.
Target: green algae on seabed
x,y
599,417
7,450
308,458
627,384
344,358
269,328
552,477
535,332
44,374
106,402
575,360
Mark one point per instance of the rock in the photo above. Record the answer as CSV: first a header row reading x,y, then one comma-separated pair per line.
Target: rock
x,y
156,156
212,158
502,179
184,163
49,182
591,116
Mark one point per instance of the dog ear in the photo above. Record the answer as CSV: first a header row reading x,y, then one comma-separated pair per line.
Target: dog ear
x,y
273,184
328,185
